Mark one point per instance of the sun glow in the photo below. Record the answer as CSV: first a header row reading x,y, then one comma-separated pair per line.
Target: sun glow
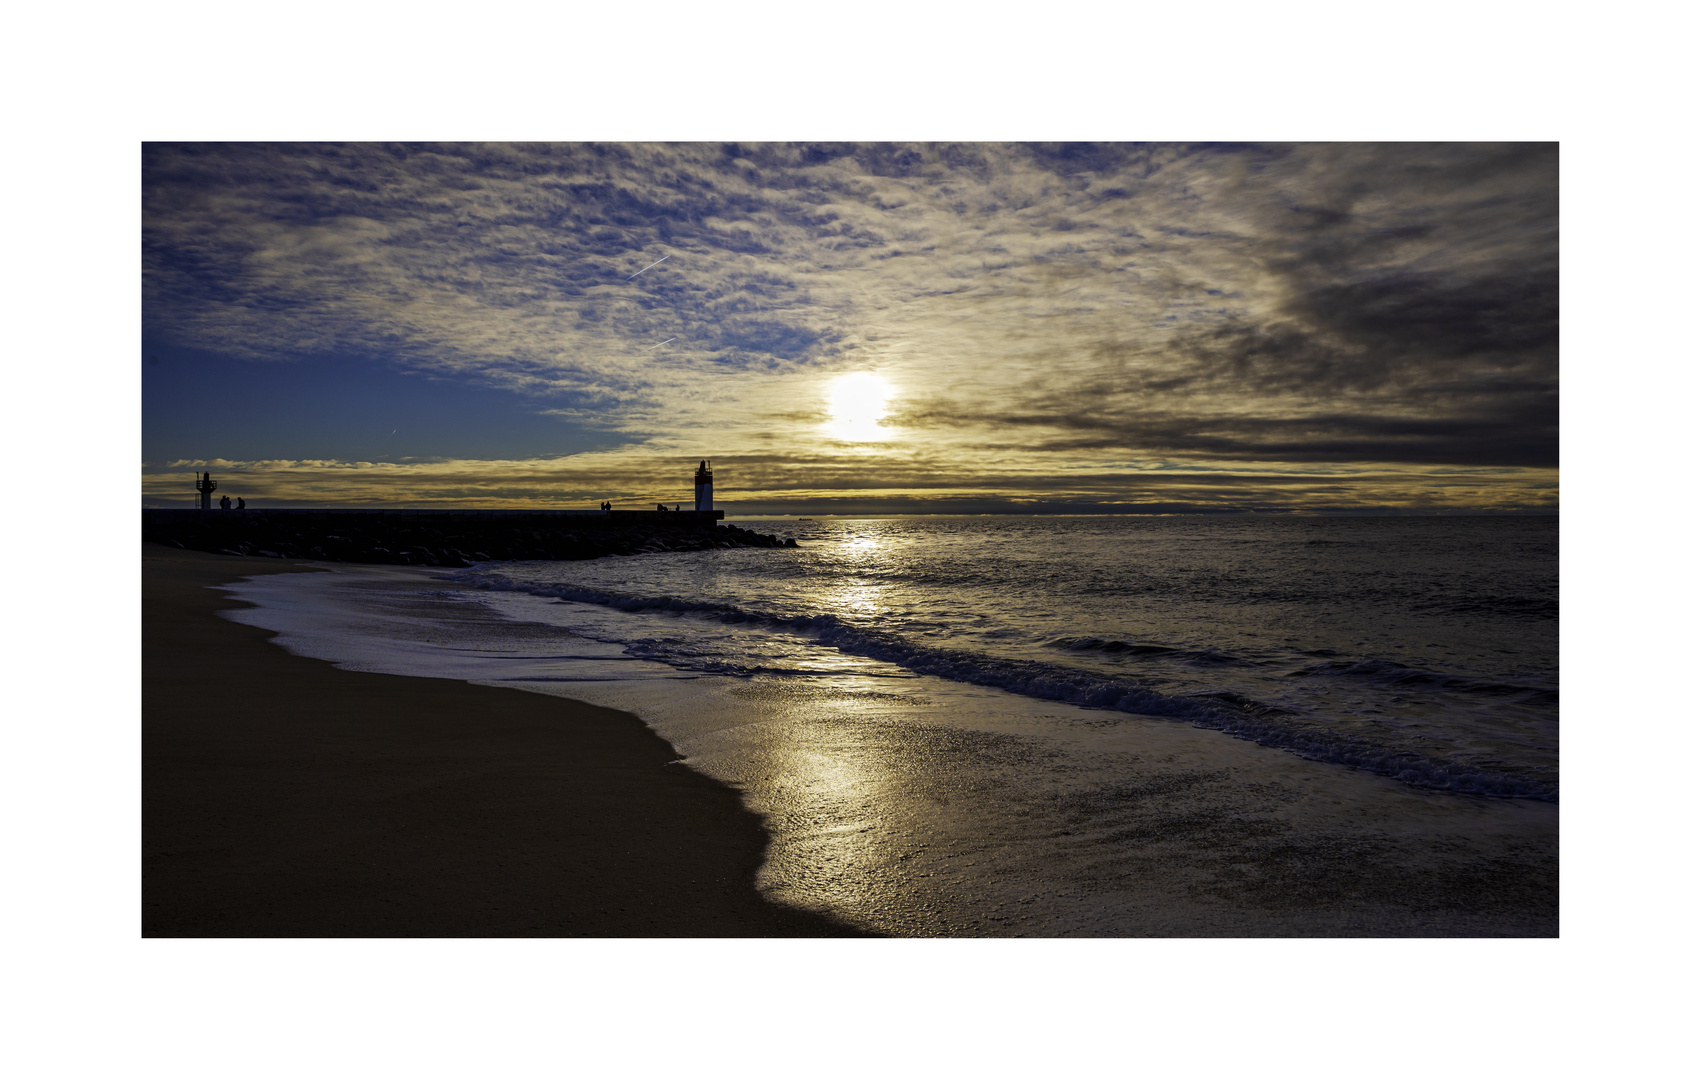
x,y
856,403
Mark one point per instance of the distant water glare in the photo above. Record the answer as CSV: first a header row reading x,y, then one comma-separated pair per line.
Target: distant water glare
x,y
912,681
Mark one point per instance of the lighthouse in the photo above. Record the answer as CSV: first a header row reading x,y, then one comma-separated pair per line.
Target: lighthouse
x,y
206,485
705,487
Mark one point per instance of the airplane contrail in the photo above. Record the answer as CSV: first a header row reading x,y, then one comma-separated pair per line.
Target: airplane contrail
x,y
658,345
658,262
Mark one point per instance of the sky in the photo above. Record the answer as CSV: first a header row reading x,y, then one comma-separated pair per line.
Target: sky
x,y
854,328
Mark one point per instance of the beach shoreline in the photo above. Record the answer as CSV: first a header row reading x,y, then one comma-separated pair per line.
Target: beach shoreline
x,y
918,809
283,797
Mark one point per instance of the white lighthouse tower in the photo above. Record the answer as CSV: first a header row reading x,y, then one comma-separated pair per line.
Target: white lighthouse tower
x,y
206,485
705,487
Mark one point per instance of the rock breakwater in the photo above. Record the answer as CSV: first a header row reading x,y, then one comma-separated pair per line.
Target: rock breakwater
x,y
427,541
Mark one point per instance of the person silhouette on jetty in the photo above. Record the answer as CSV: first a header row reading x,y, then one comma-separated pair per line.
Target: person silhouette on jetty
x,y
224,502
241,503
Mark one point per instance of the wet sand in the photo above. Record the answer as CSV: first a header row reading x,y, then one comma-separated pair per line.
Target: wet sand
x,y
976,819
282,797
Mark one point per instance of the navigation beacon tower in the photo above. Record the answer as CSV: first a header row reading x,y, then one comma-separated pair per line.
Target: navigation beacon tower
x,y
705,486
206,485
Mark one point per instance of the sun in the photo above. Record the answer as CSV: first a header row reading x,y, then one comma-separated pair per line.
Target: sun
x,y
856,403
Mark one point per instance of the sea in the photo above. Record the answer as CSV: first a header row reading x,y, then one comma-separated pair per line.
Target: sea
x,y
1056,726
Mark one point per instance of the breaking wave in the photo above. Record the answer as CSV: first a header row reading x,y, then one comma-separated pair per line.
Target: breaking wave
x,y
1225,711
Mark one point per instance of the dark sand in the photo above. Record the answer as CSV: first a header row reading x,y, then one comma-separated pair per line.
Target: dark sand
x,y
282,797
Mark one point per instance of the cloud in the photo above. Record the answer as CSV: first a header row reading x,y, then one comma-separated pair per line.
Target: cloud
x,y
1337,304
782,483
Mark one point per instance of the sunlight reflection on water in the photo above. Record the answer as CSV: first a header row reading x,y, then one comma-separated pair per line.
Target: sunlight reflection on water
x,y
914,804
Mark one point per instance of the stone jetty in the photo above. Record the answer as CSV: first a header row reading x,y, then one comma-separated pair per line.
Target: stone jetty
x,y
446,537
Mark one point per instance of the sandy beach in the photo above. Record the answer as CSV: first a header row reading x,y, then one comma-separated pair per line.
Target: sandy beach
x,y
283,797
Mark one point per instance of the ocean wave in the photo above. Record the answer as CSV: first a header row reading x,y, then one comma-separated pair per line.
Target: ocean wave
x,y
1524,608
1111,646
1231,713
1388,673
1206,657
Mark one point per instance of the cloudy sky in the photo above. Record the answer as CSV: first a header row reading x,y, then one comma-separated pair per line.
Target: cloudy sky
x,y
854,328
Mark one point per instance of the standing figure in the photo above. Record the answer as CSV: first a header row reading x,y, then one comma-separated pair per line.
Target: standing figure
x,y
224,502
